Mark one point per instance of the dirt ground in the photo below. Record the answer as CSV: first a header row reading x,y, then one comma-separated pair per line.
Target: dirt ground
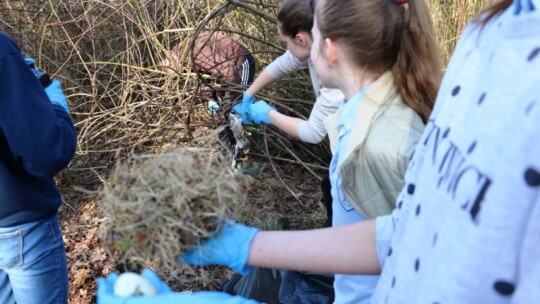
x,y
270,206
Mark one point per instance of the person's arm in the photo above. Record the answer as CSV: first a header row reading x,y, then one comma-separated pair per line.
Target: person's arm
x,y
285,123
281,66
41,135
248,97
260,82
313,130
351,250
284,64
262,112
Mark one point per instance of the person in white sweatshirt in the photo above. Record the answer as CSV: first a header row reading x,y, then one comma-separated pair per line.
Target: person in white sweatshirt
x,y
295,20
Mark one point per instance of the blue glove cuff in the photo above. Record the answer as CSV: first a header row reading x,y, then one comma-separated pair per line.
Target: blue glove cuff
x,y
230,247
54,91
242,266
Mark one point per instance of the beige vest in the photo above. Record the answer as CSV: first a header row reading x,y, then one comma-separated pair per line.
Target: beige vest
x,y
383,138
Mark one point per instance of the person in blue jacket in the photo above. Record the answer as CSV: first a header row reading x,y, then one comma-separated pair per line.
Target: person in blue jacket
x,y
37,140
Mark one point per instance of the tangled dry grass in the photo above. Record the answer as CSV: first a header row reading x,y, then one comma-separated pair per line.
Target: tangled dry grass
x,y
159,205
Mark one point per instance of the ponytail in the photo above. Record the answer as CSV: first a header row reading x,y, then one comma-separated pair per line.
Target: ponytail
x,y
418,70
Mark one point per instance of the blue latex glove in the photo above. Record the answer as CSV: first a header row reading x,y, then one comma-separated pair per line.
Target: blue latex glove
x,y
52,88
105,294
243,108
230,247
54,91
259,112
31,62
43,77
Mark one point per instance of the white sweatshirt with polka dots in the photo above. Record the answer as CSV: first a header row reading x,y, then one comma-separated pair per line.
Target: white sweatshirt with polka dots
x,y
467,225
312,130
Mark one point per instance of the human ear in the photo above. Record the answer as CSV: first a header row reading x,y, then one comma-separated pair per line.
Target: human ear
x,y
331,52
301,39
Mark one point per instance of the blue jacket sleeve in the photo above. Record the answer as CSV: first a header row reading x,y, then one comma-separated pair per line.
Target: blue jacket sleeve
x,y
41,135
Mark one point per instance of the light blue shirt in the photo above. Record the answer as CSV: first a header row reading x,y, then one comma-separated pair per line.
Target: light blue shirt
x,y
348,288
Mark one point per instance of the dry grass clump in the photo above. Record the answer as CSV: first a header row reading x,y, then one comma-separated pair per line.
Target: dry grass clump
x,y
162,204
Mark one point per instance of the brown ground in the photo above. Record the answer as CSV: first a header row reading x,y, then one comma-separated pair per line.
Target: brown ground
x,y
270,206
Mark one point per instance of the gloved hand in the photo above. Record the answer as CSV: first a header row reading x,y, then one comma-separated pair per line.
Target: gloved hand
x,y
105,294
230,247
243,108
259,112
52,88
30,62
41,75
54,91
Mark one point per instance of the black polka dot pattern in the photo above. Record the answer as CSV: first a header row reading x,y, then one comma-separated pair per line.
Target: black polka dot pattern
x,y
400,204
411,188
446,132
417,265
418,210
533,54
481,99
504,288
390,251
471,148
456,90
532,177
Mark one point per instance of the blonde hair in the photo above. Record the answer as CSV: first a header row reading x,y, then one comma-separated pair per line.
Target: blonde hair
x,y
382,35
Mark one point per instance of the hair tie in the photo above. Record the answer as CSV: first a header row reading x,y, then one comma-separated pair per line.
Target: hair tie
x,y
400,2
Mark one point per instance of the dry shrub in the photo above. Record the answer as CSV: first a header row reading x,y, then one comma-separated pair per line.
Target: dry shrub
x,y
160,205
108,53
451,17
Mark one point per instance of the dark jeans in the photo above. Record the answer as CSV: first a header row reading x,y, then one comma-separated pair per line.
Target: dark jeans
x,y
285,287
